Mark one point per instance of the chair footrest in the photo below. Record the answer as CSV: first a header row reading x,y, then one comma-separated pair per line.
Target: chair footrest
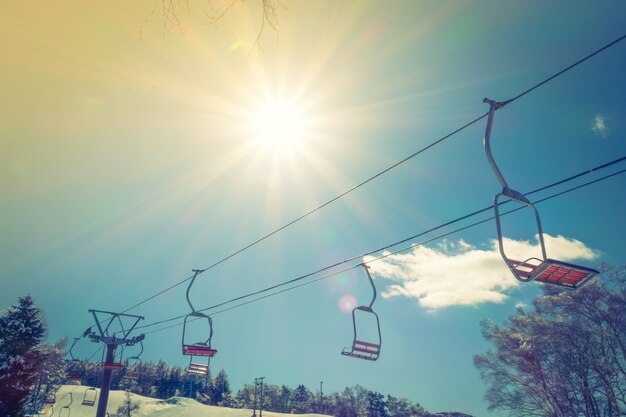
x,y
198,368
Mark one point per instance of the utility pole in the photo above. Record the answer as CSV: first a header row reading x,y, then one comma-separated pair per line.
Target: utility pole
x,y
254,404
321,394
261,401
258,382
107,335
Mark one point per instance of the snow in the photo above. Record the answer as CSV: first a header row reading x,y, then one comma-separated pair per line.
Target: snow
x,y
153,407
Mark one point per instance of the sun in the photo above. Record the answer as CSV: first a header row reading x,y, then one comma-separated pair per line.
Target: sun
x,y
278,125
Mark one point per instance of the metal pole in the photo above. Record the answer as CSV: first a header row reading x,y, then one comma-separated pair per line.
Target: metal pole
x,y
261,402
254,405
320,410
106,382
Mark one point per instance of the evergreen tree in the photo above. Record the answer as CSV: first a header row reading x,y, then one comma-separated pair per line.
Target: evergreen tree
x,y
301,400
401,407
220,388
128,407
22,329
51,374
285,395
376,405
245,396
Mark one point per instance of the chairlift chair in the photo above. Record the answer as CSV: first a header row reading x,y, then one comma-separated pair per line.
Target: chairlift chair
x,y
361,349
65,410
74,375
203,348
544,269
89,397
133,362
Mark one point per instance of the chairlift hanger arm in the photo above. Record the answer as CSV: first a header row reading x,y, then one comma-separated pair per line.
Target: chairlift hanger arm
x,y
76,339
136,357
196,272
493,106
371,283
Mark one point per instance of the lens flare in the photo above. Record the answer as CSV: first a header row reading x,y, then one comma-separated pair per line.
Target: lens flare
x,y
347,303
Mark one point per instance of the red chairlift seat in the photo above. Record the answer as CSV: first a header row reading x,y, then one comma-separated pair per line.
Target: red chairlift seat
x,y
362,350
554,272
131,375
544,270
199,350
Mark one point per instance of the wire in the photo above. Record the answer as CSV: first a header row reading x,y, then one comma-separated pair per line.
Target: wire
x,y
458,219
80,386
468,124
563,71
373,177
412,246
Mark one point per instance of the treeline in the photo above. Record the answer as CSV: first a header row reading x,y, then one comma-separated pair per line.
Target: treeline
x,y
31,372
158,380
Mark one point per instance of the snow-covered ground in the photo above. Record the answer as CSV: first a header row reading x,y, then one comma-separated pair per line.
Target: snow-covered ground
x,y
173,407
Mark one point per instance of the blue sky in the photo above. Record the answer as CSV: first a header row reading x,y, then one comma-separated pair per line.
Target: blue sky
x,y
128,160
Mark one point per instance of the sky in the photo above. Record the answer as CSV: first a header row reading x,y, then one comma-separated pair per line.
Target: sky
x,y
134,150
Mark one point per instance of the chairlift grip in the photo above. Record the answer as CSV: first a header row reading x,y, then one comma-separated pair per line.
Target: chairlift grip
x,y
371,283
493,106
193,279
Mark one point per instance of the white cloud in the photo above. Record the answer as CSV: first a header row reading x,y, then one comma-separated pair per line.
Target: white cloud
x,y
599,126
456,273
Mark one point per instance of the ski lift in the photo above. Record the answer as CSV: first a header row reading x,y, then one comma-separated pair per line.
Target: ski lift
x,y
133,361
65,410
74,375
89,397
202,349
543,270
368,350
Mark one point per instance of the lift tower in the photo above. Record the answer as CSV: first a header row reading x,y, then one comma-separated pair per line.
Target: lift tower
x,y
113,332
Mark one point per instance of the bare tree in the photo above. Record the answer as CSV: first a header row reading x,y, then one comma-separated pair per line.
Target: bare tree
x,y
171,11
567,358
